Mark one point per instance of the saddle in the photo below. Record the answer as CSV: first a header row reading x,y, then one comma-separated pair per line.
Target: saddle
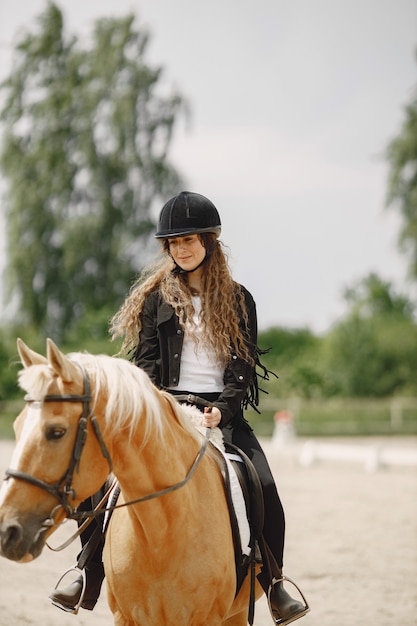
x,y
253,497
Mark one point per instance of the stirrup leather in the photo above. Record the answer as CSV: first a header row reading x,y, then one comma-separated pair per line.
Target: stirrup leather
x,y
80,572
292,618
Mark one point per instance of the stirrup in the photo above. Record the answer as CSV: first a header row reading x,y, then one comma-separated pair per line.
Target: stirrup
x,y
292,618
80,572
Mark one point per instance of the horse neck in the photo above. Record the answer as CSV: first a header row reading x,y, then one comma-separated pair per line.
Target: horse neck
x,y
162,460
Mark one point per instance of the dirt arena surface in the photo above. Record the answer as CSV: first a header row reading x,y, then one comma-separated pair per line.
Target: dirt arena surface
x,y
351,545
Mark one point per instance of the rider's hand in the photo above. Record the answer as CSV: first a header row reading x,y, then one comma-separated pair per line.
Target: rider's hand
x,y
212,416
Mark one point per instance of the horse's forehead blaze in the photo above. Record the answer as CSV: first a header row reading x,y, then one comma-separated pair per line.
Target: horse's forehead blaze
x,y
26,424
25,427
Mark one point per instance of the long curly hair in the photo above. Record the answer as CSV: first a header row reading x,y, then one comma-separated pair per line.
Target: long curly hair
x,y
223,317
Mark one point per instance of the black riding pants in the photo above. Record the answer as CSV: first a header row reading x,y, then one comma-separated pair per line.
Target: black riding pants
x,y
274,520
94,569
241,435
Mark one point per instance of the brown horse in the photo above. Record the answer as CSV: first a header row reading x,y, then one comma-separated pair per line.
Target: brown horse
x,y
168,559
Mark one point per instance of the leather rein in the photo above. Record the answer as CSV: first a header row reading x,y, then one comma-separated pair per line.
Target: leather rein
x,y
62,488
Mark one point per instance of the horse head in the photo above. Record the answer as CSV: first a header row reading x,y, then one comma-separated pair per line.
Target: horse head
x,y
49,472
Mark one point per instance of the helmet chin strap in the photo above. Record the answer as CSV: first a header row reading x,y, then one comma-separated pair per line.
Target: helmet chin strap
x,y
179,270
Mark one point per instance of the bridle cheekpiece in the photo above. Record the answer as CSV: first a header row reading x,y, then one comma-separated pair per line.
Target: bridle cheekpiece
x,y
62,489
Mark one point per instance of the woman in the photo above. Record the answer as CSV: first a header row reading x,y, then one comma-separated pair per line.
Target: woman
x,y
193,329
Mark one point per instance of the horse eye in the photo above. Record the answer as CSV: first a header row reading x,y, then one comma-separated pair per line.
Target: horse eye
x,y
55,432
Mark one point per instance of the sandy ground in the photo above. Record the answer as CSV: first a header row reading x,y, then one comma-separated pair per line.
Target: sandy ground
x,y
351,546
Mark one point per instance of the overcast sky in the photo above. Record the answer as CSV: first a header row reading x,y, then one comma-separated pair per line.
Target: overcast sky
x,y
293,103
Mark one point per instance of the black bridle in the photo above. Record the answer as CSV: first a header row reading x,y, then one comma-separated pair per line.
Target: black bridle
x,y
62,489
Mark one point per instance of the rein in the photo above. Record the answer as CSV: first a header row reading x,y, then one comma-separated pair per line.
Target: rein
x,y
155,494
65,481
82,526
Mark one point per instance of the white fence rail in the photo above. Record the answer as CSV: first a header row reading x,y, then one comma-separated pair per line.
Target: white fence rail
x,y
373,456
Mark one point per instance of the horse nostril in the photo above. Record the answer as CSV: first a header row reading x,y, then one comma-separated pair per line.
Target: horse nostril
x,y
11,534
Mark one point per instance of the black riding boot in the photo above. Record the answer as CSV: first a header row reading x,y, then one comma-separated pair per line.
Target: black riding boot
x,y
68,598
89,560
284,609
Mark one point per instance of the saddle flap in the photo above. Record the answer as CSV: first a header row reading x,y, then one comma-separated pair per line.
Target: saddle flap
x,y
251,488
236,466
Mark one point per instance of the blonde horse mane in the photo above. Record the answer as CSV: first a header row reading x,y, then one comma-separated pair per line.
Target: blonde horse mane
x,y
129,391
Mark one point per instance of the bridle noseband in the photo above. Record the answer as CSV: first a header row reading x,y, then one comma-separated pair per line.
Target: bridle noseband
x,y
62,489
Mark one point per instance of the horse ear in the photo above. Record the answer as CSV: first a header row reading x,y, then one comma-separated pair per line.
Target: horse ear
x,y
60,363
28,356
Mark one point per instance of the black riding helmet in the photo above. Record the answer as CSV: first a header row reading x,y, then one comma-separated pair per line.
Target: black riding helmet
x,y
188,213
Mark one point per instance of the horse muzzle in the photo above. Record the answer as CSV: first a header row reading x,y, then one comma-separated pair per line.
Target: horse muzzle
x,y
22,541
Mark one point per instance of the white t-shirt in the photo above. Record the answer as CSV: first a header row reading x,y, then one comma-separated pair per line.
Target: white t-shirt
x,y
200,371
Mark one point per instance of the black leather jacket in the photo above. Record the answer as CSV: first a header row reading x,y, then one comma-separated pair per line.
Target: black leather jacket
x,y
159,354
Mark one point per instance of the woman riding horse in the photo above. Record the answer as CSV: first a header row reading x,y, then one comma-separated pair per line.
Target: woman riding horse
x,y
193,329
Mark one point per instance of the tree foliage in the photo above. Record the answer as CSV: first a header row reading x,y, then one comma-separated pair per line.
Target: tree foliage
x,y
86,133
402,183
371,352
294,357
372,296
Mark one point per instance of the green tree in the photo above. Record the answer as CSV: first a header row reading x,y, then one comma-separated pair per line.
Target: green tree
x,y
350,358
295,356
86,133
373,351
402,182
8,368
372,296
